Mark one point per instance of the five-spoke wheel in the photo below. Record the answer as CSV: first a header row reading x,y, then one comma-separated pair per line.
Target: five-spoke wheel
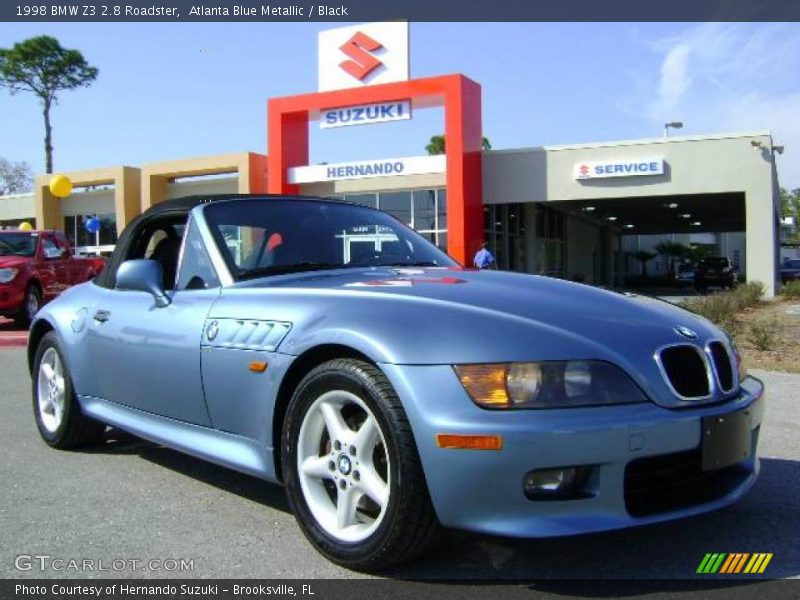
x,y
351,468
55,406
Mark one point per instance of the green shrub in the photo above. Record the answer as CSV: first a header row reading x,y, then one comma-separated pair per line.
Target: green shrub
x,y
764,333
749,294
720,309
791,290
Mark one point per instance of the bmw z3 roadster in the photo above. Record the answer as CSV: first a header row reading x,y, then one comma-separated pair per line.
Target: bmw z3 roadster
x,y
330,348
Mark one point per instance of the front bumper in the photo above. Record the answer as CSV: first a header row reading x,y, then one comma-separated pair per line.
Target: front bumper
x,y
481,490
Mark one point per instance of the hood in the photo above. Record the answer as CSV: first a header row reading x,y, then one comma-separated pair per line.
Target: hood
x,y
7,262
589,314
435,316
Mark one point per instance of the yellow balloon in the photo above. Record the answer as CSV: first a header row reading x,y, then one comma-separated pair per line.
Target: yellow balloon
x,y
60,186
25,226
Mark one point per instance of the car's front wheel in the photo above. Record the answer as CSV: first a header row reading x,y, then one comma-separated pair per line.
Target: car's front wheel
x,y
352,471
58,415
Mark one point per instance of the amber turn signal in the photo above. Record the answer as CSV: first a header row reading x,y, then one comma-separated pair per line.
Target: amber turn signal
x,y
486,384
258,366
469,442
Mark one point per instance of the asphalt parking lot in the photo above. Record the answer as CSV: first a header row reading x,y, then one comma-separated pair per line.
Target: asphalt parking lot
x,y
134,500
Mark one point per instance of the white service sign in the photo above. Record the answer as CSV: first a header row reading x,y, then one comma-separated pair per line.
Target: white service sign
x,y
618,168
364,169
365,114
360,55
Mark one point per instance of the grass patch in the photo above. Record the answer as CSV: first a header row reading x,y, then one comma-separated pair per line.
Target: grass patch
x,y
764,333
791,290
767,333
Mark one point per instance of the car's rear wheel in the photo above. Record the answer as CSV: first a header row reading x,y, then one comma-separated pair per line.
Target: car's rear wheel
x,y
58,415
352,471
31,304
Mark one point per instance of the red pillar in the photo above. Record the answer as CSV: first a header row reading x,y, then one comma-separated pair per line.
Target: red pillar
x,y
463,144
288,146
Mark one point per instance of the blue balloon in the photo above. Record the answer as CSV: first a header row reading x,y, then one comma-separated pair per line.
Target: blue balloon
x,y
92,225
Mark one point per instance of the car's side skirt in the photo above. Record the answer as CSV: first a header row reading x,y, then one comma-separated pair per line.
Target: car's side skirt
x,y
222,448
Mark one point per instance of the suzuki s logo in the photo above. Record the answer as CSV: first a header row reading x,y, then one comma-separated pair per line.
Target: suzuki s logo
x,y
584,170
685,332
359,49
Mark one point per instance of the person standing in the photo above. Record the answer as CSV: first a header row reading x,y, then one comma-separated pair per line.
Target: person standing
x,y
483,258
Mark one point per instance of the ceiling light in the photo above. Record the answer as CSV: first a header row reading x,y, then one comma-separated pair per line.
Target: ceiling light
x,y
629,226
611,218
671,205
686,216
697,223
589,208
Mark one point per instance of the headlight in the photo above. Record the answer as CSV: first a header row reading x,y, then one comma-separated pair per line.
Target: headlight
x,y
550,384
7,275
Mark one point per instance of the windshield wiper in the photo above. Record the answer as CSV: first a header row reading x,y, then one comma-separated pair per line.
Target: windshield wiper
x,y
299,267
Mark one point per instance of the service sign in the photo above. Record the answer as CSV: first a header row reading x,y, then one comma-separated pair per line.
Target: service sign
x,y
619,168
364,169
360,55
365,114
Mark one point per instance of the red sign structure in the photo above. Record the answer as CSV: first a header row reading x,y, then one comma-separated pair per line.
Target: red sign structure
x,y
288,135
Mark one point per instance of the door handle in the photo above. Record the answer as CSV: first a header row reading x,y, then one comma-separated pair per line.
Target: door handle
x,y
101,316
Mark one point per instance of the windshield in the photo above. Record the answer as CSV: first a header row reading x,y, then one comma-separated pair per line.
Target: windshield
x,y
274,236
18,244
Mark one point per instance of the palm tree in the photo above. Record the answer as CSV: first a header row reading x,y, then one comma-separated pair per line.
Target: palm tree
x,y
437,146
643,256
672,251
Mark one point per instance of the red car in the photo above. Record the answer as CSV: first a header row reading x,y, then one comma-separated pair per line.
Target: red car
x,y
35,267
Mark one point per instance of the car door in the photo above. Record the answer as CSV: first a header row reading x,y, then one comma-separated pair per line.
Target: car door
x,y
148,357
72,267
54,270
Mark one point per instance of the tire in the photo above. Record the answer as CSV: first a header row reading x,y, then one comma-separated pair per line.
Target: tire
x,y
31,304
58,415
392,522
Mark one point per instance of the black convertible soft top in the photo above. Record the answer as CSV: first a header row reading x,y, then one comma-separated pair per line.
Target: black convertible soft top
x,y
175,207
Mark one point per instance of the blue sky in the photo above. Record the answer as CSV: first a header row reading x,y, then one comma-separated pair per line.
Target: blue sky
x,y
179,90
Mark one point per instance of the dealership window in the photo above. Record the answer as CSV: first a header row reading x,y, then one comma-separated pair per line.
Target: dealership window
x,y
505,234
424,210
79,237
549,257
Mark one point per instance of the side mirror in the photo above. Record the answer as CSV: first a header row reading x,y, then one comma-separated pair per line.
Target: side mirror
x,y
143,276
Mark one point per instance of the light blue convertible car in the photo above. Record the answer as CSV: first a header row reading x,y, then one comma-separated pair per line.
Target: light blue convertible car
x,y
328,347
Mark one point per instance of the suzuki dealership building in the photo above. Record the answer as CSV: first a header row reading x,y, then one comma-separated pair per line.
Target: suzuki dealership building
x,y
571,211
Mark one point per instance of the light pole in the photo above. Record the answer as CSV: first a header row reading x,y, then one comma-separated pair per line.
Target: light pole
x,y
674,125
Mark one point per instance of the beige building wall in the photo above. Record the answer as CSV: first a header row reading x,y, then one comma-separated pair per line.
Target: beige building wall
x,y
124,180
249,168
17,206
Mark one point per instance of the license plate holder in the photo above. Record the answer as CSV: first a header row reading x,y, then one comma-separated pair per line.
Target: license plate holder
x,y
727,440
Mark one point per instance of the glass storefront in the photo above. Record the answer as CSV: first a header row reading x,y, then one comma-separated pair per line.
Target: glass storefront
x,y
424,210
79,237
504,229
